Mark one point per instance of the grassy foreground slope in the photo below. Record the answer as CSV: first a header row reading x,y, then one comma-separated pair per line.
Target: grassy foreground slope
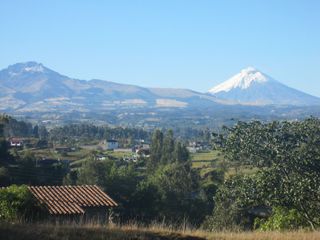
x,y
91,232
132,232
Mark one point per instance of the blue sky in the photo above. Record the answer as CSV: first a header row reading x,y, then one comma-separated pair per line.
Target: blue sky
x,y
166,43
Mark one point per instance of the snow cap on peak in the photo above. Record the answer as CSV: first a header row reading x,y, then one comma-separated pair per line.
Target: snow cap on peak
x,y
20,68
242,80
32,67
249,69
38,68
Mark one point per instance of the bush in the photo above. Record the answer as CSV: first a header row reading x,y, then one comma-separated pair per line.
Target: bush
x,y
16,203
281,219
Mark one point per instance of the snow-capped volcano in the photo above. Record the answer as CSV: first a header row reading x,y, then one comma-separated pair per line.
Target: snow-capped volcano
x,y
252,86
241,80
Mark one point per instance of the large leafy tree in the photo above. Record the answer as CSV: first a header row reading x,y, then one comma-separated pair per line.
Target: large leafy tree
x,y
172,193
288,155
233,201
118,180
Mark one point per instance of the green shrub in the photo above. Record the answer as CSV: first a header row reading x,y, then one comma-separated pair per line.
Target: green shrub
x,y
16,203
281,219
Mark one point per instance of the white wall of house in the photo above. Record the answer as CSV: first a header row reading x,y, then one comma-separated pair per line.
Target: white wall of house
x,y
111,144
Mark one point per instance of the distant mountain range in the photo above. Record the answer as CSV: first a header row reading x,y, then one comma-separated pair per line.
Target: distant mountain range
x,y
32,87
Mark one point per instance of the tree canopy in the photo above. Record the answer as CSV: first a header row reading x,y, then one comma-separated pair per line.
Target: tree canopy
x,y
288,156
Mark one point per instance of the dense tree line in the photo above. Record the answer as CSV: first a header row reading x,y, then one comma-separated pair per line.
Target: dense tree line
x,y
12,127
88,132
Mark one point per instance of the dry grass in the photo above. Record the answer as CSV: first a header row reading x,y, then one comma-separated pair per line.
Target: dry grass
x,y
88,231
299,235
250,235
135,231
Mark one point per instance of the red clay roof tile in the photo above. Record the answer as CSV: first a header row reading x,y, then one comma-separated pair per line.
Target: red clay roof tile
x,y
71,199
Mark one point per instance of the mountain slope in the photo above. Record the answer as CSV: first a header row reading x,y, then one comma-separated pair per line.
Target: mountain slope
x,y
253,87
31,86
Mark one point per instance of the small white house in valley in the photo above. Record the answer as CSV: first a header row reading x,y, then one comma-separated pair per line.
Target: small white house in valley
x,y
16,142
112,144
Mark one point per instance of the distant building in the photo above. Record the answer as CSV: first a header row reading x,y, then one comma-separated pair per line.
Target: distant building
x,y
192,149
16,142
132,158
145,146
142,150
198,146
101,157
112,144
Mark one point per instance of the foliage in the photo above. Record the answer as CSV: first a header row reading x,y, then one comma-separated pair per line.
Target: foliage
x,y
4,176
233,202
281,219
171,185
156,149
163,186
5,156
119,181
166,150
26,169
175,185
13,128
42,133
288,156
16,203
87,132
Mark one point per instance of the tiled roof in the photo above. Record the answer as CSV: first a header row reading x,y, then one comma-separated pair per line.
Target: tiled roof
x,y
71,199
